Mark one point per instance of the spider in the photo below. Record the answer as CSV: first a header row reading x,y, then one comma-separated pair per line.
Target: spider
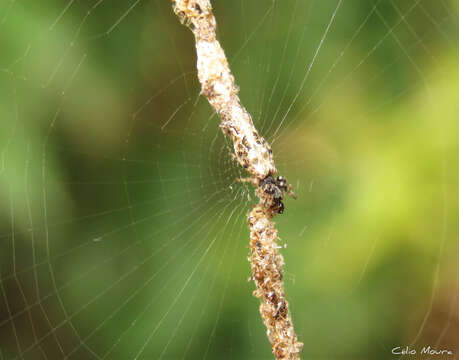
x,y
275,188
272,190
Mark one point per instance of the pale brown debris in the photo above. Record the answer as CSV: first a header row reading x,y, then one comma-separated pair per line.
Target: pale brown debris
x,y
255,155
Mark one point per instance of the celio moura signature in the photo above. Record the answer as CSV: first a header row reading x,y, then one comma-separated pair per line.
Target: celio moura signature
x,y
426,350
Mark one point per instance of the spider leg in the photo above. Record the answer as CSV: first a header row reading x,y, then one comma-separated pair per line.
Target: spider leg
x,y
250,180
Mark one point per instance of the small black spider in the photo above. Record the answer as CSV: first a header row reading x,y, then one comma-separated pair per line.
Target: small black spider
x,y
275,187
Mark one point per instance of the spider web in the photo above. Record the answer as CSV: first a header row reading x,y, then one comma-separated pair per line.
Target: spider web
x,y
123,225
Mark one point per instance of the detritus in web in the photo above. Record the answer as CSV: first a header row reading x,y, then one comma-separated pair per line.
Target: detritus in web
x,y
123,229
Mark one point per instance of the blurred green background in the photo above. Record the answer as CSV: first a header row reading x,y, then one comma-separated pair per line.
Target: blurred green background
x,y
123,229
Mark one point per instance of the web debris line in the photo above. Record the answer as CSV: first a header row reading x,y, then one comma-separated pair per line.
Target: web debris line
x,y
253,153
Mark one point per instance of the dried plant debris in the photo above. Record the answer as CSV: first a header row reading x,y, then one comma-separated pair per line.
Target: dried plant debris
x,y
254,154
